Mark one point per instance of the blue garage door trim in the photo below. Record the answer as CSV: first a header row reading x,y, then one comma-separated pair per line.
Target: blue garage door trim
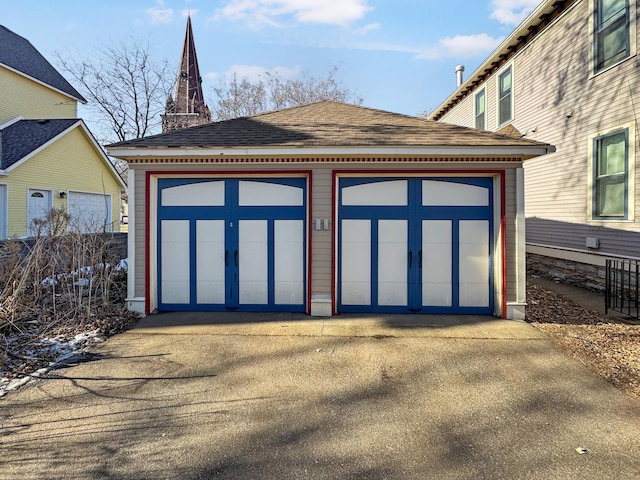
x,y
232,213
415,213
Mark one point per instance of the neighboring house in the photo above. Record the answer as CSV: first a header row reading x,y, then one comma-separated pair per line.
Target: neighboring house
x,y
48,157
327,208
568,75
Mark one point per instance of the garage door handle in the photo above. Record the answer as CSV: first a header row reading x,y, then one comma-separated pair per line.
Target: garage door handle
x,y
235,257
410,258
420,259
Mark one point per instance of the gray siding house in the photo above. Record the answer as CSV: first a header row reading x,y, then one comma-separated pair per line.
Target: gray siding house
x,y
569,76
327,208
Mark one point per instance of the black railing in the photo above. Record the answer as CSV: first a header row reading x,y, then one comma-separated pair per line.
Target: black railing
x,y
621,289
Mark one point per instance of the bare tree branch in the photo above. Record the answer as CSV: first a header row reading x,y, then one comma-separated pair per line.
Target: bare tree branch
x,y
242,98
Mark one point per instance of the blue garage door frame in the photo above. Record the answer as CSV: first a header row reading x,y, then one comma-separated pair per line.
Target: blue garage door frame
x,y
416,245
227,244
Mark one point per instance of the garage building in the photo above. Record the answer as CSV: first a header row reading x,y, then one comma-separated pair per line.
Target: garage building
x,y
327,208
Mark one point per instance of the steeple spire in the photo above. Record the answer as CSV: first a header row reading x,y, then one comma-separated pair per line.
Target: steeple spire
x,y
187,108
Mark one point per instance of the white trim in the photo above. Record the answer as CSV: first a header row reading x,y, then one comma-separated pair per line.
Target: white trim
x,y
131,238
11,122
521,30
4,232
181,152
136,304
521,254
574,255
44,84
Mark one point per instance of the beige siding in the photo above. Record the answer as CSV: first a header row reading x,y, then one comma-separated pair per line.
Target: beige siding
x,y
322,207
559,101
70,163
22,96
463,114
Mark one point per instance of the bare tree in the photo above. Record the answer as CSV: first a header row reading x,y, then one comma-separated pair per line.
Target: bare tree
x,y
271,92
125,86
126,90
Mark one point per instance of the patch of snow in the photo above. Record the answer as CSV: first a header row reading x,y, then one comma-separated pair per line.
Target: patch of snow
x,y
63,348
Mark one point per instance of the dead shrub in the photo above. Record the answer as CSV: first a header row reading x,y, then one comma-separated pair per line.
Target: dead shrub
x,y
58,280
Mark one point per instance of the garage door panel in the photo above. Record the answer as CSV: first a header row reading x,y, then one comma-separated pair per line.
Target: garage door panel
x,y
289,261
392,262
253,262
175,257
474,263
356,262
437,263
210,265
205,194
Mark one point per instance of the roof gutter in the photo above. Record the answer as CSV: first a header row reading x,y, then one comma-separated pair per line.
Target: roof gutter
x,y
475,151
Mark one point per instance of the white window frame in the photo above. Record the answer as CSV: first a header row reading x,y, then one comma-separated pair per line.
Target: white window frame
x,y
483,92
629,215
499,74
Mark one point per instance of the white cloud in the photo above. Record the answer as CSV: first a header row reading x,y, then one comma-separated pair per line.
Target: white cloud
x,y
366,29
462,46
260,12
254,73
512,12
159,14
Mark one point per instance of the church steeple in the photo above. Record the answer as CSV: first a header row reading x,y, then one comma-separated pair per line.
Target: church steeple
x,y
187,108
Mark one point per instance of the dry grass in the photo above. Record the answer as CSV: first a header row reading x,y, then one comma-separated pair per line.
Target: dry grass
x,y
61,285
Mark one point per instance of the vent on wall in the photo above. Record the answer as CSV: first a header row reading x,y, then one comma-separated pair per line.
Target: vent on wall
x,y
593,242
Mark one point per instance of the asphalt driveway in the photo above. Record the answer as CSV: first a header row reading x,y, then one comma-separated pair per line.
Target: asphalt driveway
x,y
286,397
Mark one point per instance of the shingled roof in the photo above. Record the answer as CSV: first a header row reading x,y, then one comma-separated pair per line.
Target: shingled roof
x,y
23,137
326,124
18,54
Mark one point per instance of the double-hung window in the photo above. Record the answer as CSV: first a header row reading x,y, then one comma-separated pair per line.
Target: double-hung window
x,y
505,94
480,110
611,175
611,32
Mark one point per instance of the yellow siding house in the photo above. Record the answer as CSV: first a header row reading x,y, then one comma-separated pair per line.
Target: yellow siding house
x,y
48,157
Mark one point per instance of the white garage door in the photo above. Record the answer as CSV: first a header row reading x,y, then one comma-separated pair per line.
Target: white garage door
x,y
90,212
415,245
232,244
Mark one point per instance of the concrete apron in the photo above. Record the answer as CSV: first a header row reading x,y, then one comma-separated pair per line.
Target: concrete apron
x,y
352,325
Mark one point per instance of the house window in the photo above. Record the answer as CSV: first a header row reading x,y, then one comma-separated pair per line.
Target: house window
x,y
505,88
480,109
611,32
611,175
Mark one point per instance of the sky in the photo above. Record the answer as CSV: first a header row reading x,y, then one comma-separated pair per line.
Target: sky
x,y
397,55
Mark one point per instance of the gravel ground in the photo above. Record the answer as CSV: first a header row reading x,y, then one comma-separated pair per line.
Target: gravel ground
x,y
605,345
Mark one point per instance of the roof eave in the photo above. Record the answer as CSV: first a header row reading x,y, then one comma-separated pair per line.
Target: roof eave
x,y
544,8
525,151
